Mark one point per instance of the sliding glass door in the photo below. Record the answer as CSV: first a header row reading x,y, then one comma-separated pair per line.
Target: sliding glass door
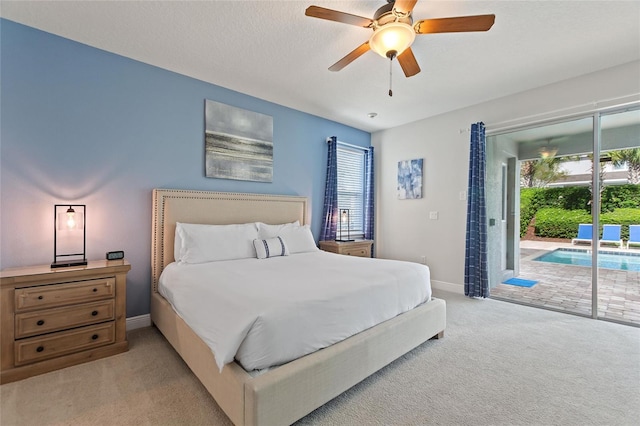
x,y
618,278
556,194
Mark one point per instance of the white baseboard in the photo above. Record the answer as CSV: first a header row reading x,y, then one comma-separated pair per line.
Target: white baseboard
x,y
445,286
138,322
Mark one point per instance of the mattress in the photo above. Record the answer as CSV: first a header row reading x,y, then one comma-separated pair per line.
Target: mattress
x,y
266,312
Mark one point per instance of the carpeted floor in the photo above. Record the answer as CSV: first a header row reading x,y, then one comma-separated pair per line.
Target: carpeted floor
x,y
499,364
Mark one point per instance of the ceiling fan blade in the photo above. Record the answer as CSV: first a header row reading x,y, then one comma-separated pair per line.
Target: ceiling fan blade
x,y
408,63
455,25
355,54
334,15
404,6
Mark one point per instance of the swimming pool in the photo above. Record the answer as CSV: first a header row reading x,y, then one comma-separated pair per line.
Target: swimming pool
x,y
606,259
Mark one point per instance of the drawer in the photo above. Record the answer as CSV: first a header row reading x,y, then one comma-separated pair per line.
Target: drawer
x,y
62,343
330,249
49,296
55,319
362,252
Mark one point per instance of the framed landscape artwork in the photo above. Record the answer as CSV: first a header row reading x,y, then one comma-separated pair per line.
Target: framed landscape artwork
x,y
410,179
238,143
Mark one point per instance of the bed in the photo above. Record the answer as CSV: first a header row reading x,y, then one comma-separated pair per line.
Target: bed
x,y
287,393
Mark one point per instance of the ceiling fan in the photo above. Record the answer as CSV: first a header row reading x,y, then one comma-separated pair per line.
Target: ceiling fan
x,y
394,31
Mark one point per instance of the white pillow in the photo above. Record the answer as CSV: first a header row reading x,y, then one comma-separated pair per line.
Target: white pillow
x,y
271,231
210,243
299,239
177,245
273,247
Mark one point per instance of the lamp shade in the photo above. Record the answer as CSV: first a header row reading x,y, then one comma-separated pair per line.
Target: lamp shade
x,y
70,220
392,37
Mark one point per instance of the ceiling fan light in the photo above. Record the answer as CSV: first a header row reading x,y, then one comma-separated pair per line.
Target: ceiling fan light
x,y
394,36
548,152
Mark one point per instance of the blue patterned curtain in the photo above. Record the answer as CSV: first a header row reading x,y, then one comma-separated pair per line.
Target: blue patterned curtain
x,y
330,211
476,277
368,195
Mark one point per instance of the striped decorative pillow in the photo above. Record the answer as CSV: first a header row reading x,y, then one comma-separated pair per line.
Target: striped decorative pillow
x,y
271,247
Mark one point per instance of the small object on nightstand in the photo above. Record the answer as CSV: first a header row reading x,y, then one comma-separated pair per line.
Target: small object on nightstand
x,y
360,248
115,255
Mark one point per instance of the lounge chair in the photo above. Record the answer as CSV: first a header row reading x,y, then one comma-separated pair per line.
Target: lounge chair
x,y
611,235
634,236
585,234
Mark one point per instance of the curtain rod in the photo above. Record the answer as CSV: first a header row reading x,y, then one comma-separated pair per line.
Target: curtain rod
x,y
350,145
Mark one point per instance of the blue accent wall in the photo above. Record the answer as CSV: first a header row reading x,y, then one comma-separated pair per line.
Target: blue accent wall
x,y
84,126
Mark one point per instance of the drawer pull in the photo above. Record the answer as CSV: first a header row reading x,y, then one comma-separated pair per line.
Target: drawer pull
x,y
94,337
40,322
40,349
95,290
40,297
94,313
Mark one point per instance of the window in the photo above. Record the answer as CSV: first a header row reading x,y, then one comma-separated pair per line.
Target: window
x,y
351,168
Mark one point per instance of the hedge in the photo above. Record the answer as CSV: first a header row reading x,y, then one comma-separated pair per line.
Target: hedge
x,y
615,200
559,223
621,196
528,207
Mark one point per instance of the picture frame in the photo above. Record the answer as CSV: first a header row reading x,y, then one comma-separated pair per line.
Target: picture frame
x,y
238,143
410,179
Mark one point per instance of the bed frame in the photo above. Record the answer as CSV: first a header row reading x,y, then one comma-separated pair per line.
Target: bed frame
x,y
289,392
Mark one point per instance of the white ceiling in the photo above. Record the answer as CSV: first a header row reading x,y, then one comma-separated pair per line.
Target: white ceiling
x,y
271,50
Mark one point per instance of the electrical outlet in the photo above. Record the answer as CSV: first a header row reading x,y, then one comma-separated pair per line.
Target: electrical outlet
x,y
463,195
433,215
423,260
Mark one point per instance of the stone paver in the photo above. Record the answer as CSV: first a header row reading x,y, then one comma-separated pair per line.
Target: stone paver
x,y
568,287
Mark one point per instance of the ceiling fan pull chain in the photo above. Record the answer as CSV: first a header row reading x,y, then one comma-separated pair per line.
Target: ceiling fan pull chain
x,y
390,75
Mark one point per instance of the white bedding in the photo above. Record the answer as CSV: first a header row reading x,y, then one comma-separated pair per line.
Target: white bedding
x,y
271,311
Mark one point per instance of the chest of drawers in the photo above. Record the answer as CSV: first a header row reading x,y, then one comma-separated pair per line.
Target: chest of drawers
x,y
55,318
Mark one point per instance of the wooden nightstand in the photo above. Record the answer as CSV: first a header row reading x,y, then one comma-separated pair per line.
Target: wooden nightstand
x,y
361,248
55,318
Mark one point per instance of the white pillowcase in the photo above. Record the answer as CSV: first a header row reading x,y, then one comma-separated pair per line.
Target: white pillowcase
x,y
298,239
271,231
210,243
272,247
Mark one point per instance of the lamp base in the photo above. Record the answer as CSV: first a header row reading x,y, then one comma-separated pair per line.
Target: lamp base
x,y
344,241
68,263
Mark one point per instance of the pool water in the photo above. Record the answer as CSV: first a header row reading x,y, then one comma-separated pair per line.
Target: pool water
x,y
606,259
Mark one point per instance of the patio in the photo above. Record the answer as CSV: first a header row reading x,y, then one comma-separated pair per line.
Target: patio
x,y
568,287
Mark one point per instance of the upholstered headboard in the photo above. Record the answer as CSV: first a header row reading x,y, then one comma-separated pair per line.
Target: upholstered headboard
x,y
221,208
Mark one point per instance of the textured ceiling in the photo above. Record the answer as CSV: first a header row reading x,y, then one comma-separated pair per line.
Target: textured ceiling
x,y
271,50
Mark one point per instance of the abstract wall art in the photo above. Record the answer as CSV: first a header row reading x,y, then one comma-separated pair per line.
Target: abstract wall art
x,y
238,143
410,179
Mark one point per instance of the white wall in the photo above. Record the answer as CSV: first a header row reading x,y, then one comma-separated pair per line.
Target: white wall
x,y
403,228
